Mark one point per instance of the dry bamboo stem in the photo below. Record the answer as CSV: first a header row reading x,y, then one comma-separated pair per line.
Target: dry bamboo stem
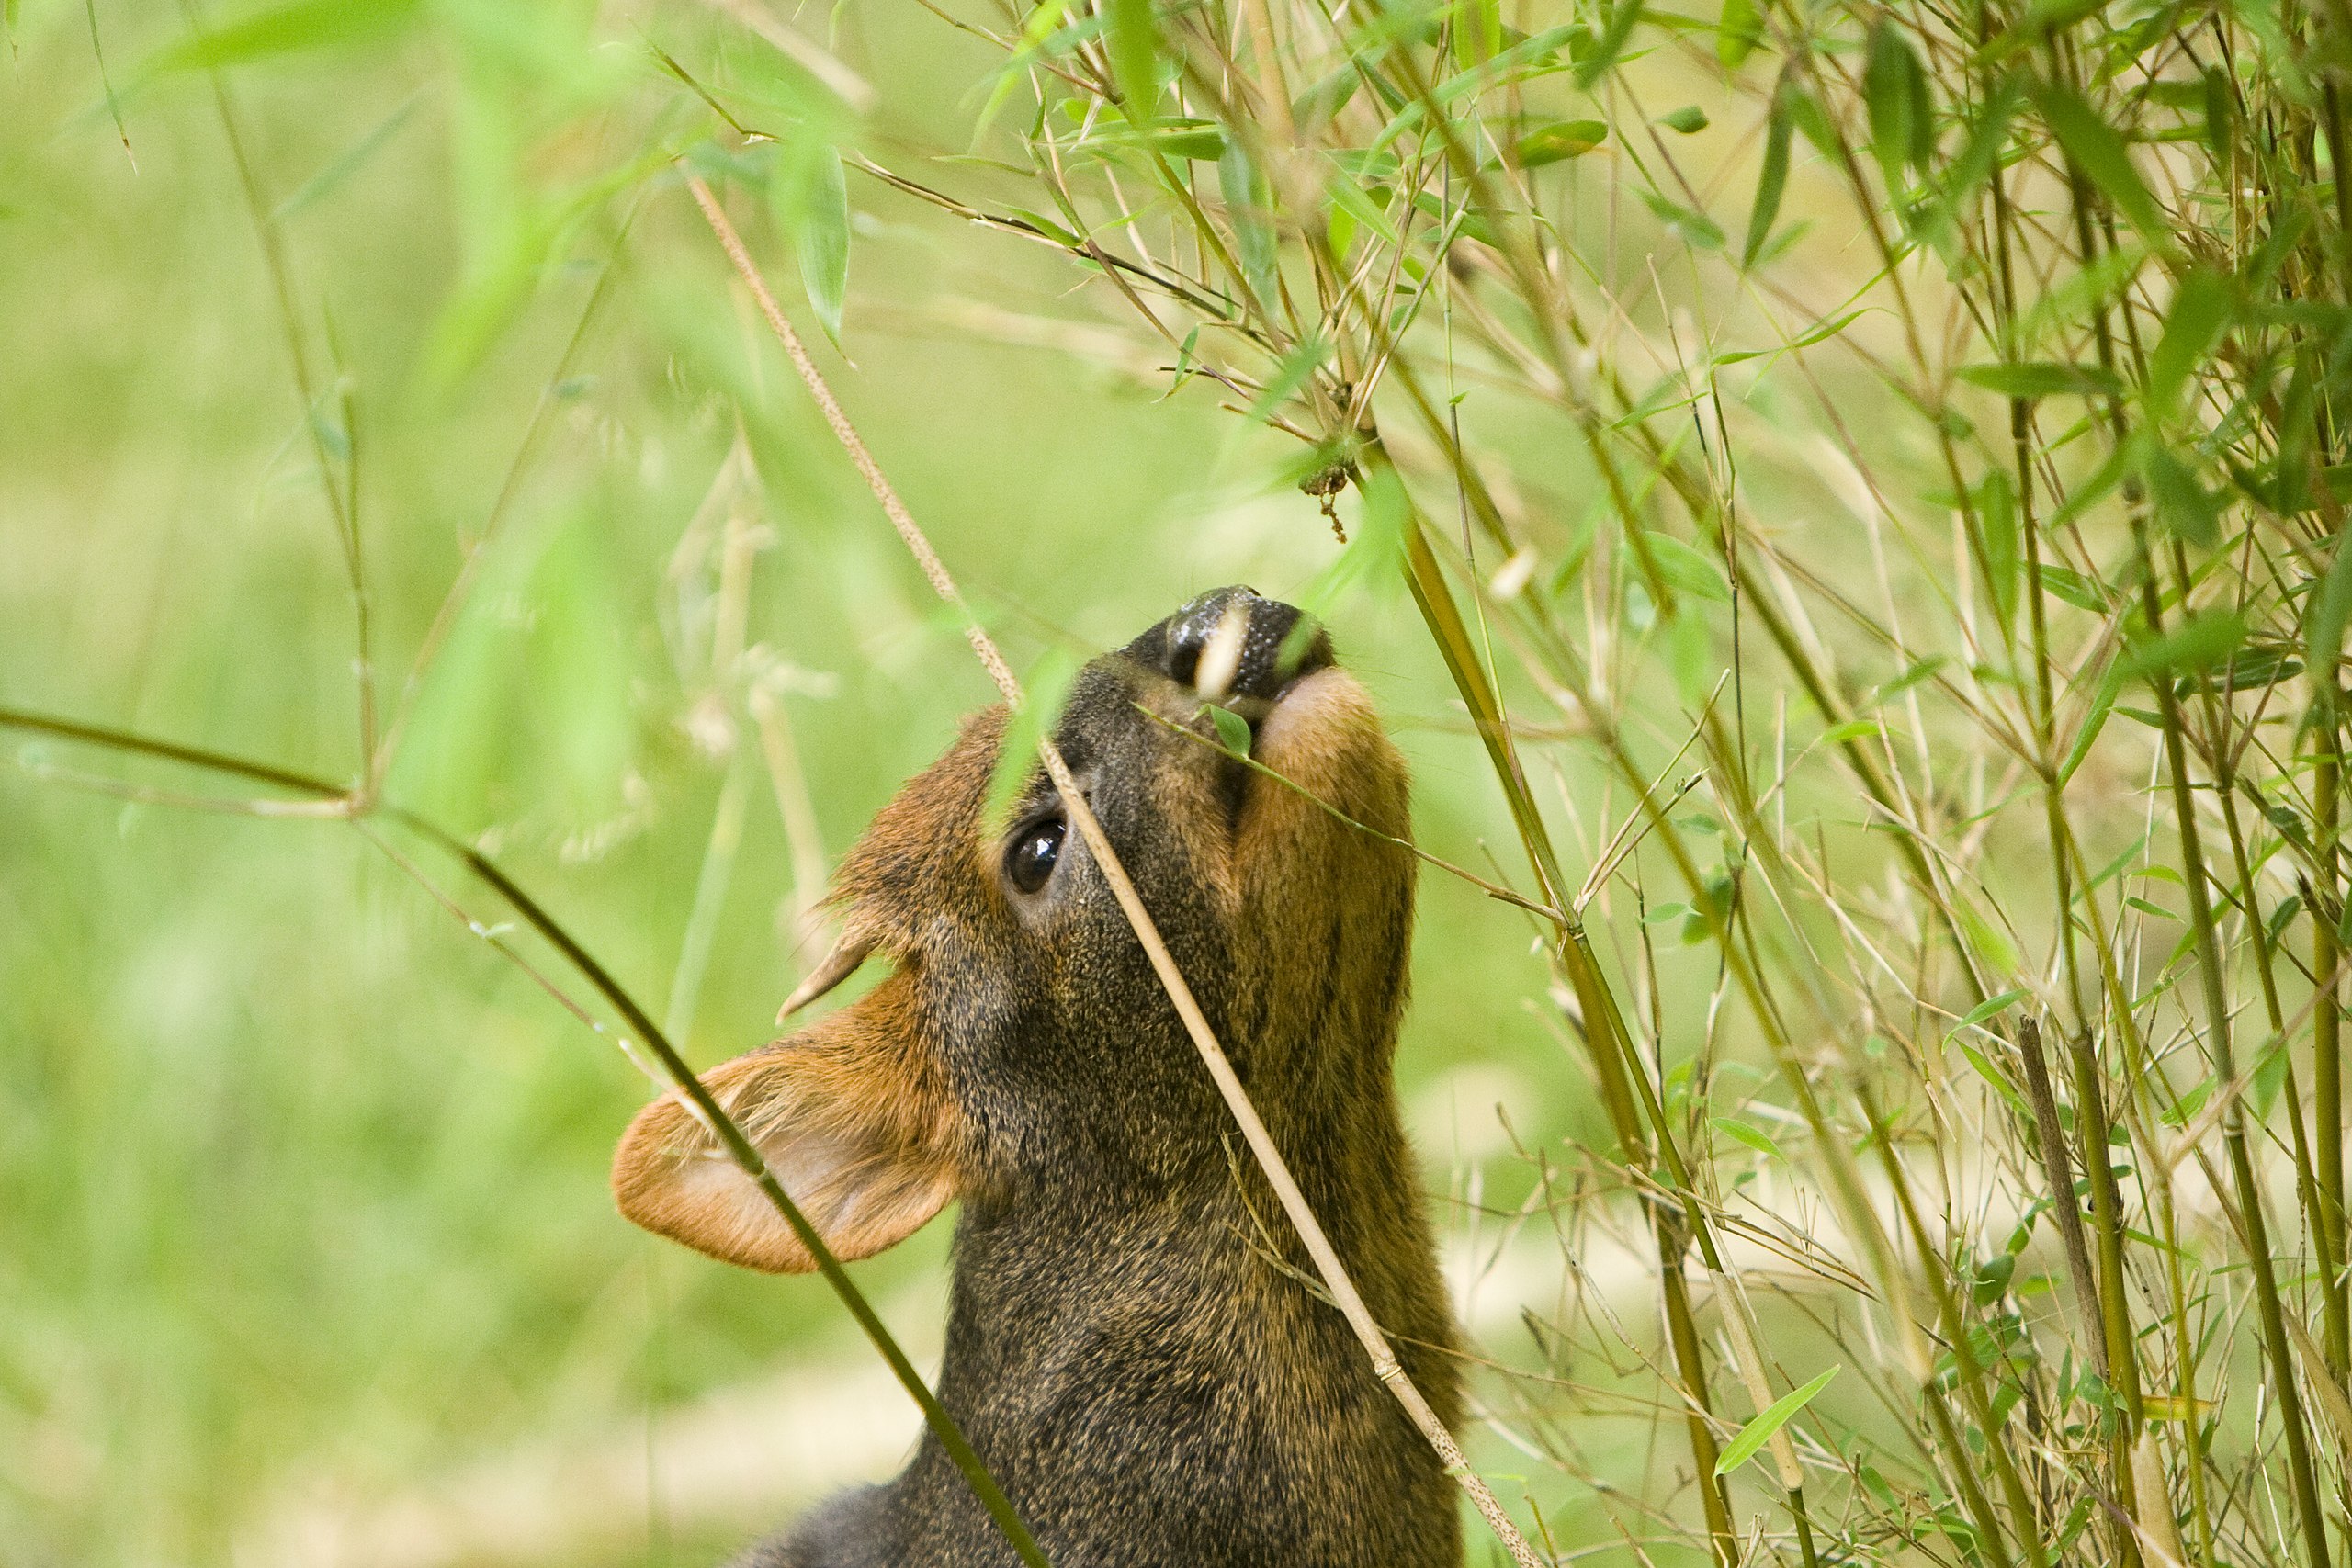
x,y
1334,1274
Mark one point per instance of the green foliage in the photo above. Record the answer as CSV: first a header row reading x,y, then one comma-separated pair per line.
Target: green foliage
x,y
1857,557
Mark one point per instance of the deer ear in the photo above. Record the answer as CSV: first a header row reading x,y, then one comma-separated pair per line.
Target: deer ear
x,y
852,1115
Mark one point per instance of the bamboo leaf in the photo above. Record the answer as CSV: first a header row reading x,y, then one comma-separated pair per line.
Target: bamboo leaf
x,y
1737,31
1773,179
1895,93
2200,313
1753,1137
1245,204
2041,380
1686,570
1044,692
2202,641
1612,43
1135,55
2104,158
1769,1420
1987,1008
1996,513
817,220
285,29
2330,606
1561,139
1232,730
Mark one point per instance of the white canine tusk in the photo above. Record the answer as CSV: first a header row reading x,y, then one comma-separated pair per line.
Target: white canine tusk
x,y
837,966
1221,659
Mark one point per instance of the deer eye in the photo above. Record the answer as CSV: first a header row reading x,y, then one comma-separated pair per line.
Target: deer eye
x,y
1031,858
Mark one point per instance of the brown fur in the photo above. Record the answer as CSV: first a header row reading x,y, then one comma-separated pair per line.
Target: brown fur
x,y
1130,1348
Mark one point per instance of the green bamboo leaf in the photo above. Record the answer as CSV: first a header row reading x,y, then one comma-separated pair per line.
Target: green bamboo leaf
x,y
1561,139
2201,308
1689,119
1988,132
1773,179
1894,91
2110,686
1200,140
2074,588
1987,1008
1737,31
1357,203
1612,43
2104,157
2041,380
2204,640
1769,1420
1043,693
1997,516
1247,201
2331,606
821,238
1694,229
1753,1137
1989,940
1135,55
1686,571
2221,111
2183,504
285,29
1232,730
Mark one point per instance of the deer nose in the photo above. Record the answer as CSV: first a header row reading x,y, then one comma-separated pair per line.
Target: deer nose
x,y
1232,642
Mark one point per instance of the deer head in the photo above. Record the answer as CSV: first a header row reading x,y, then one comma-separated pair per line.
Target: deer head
x,y
1022,1057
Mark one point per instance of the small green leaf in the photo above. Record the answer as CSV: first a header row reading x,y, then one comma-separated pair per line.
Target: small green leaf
x,y
2041,380
284,29
1561,139
2105,157
1231,729
1769,1420
1853,730
2074,588
1686,571
1694,229
1611,43
1988,940
2202,641
2110,686
1135,55
1737,31
1688,119
1996,1076
1772,178
819,226
2200,313
2331,606
1751,1136
1997,516
2183,504
1894,90
1246,203
1990,1006
1043,695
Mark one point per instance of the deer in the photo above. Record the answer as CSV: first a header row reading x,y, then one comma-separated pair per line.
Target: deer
x,y
1135,1346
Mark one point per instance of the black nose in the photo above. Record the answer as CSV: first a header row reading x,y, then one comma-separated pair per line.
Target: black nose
x,y
1278,643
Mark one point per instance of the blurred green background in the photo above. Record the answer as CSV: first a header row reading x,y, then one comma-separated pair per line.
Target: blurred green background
x,y
306,1253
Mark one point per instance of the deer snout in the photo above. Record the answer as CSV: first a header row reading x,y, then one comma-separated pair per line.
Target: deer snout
x,y
1232,643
